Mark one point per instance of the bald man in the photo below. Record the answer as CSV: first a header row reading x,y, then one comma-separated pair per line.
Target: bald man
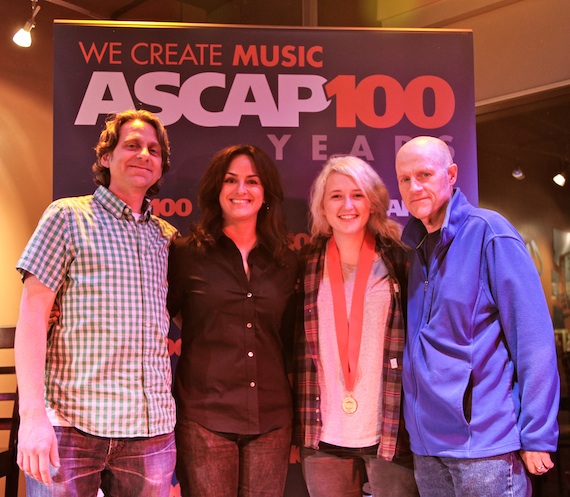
x,y
481,384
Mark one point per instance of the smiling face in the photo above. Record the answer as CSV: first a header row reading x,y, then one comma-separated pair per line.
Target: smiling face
x,y
345,206
136,162
426,175
242,193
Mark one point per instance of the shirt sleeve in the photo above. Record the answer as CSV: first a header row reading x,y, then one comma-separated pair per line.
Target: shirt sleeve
x,y
526,323
47,254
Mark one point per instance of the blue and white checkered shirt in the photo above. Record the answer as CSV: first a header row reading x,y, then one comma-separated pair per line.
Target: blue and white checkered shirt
x,y
108,371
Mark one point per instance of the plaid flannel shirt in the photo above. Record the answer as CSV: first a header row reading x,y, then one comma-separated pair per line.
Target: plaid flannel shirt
x,y
308,423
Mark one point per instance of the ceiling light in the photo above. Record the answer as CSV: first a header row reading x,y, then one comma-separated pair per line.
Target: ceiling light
x,y
560,179
23,37
518,173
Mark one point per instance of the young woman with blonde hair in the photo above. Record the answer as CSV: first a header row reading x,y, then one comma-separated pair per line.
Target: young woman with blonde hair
x,y
350,344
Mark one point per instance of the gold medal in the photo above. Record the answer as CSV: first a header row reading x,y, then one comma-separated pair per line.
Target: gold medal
x,y
349,331
349,405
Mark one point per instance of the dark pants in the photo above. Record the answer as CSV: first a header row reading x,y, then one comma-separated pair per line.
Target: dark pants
x,y
213,464
121,467
335,471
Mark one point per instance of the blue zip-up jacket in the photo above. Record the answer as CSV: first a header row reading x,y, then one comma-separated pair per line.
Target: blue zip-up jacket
x,y
480,372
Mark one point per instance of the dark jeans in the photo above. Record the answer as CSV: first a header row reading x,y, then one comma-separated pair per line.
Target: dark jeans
x,y
335,471
121,467
213,464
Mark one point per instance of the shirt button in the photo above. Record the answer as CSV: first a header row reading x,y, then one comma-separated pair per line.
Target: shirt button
x,y
250,354
252,384
249,295
249,325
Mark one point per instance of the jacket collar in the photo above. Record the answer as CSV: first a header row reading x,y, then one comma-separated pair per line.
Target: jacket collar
x,y
458,210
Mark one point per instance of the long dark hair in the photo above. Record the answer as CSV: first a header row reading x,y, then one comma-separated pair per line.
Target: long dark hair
x,y
270,226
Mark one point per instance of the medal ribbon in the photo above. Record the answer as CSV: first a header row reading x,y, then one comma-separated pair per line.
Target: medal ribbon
x,y
349,333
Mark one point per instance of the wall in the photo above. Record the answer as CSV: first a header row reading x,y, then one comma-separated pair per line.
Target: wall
x,y
521,46
25,145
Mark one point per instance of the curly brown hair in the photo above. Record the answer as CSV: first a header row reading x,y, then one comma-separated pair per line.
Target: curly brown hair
x,y
110,137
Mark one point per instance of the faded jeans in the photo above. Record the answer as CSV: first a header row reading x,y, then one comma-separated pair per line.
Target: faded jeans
x,y
334,471
214,464
121,467
497,476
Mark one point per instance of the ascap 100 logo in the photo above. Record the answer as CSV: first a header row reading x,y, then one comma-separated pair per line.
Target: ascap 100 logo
x,y
427,101
167,207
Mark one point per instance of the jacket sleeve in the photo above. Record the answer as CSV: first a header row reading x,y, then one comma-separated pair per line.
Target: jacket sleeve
x,y
528,330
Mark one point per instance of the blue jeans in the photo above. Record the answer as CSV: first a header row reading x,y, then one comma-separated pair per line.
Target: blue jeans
x,y
335,471
497,476
213,464
121,467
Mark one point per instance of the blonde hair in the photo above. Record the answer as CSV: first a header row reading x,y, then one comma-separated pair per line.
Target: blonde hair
x,y
371,185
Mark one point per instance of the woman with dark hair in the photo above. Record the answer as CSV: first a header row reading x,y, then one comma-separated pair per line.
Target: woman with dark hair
x,y
350,343
232,283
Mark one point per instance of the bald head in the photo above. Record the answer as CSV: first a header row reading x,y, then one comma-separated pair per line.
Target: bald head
x,y
428,147
426,175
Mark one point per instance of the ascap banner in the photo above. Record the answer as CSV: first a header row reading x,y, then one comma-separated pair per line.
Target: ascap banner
x,y
301,94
